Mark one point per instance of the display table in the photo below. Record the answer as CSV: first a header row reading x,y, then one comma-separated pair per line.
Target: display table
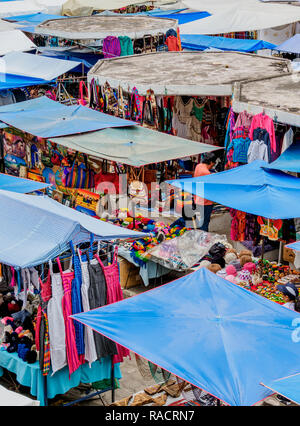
x,y
43,388
149,271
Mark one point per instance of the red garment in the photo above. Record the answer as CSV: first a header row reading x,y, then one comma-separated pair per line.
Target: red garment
x,y
172,43
264,122
114,294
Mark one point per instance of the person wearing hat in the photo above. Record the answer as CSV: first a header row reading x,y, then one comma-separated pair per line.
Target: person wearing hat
x,y
290,294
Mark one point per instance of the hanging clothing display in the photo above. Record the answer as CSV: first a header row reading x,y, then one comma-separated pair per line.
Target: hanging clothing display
x,y
126,46
72,354
114,293
89,342
57,323
111,47
97,298
77,305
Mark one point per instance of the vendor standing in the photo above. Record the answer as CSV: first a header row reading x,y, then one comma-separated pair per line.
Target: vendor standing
x,y
205,206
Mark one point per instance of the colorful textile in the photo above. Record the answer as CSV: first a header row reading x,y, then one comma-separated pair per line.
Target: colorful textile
x,y
172,43
47,362
111,47
126,46
264,122
77,305
72,355
114,294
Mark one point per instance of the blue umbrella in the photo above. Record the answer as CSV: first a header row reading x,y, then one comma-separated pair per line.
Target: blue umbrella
x,y
211,333
20,185
253,188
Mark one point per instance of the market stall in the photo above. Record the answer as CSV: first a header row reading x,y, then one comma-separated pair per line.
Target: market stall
x,y
89,169
43,286
212,312
191,100
109,36
260,198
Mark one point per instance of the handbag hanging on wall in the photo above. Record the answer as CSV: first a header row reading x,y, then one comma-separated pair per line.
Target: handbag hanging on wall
x,y
104,179
78,175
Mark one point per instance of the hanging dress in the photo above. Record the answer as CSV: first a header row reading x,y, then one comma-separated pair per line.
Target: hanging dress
x,y
97,298
89,342
114,293
72,355
42,329
57,323
77,305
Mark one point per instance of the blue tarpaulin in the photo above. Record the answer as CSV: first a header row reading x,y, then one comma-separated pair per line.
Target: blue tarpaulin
x,y
16,184
252,188
287,386
203,42
289,160
294,246
46,118
291,45
183,18
8,81
29,22
211,333
25,69
35,229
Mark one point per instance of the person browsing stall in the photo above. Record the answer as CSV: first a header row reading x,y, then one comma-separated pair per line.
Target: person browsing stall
x,y
203,169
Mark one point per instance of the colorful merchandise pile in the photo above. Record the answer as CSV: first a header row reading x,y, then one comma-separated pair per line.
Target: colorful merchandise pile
x,y
159,231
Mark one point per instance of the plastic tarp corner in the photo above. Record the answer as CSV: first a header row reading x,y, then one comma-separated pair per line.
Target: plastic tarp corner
x,y
44,229
46,118
207,331
203,42
289,160
286,386
20,185
19,69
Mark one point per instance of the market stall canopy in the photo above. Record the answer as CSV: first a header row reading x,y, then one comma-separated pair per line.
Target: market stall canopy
x,y
207,331
182,18
289,160
19,69
35,229
252,188
292,45
27,23
13,8
22,186
45,118
68,54
15,41
98,27
277,97
87,7
202,42
186,73
135,146
287,386
239,15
